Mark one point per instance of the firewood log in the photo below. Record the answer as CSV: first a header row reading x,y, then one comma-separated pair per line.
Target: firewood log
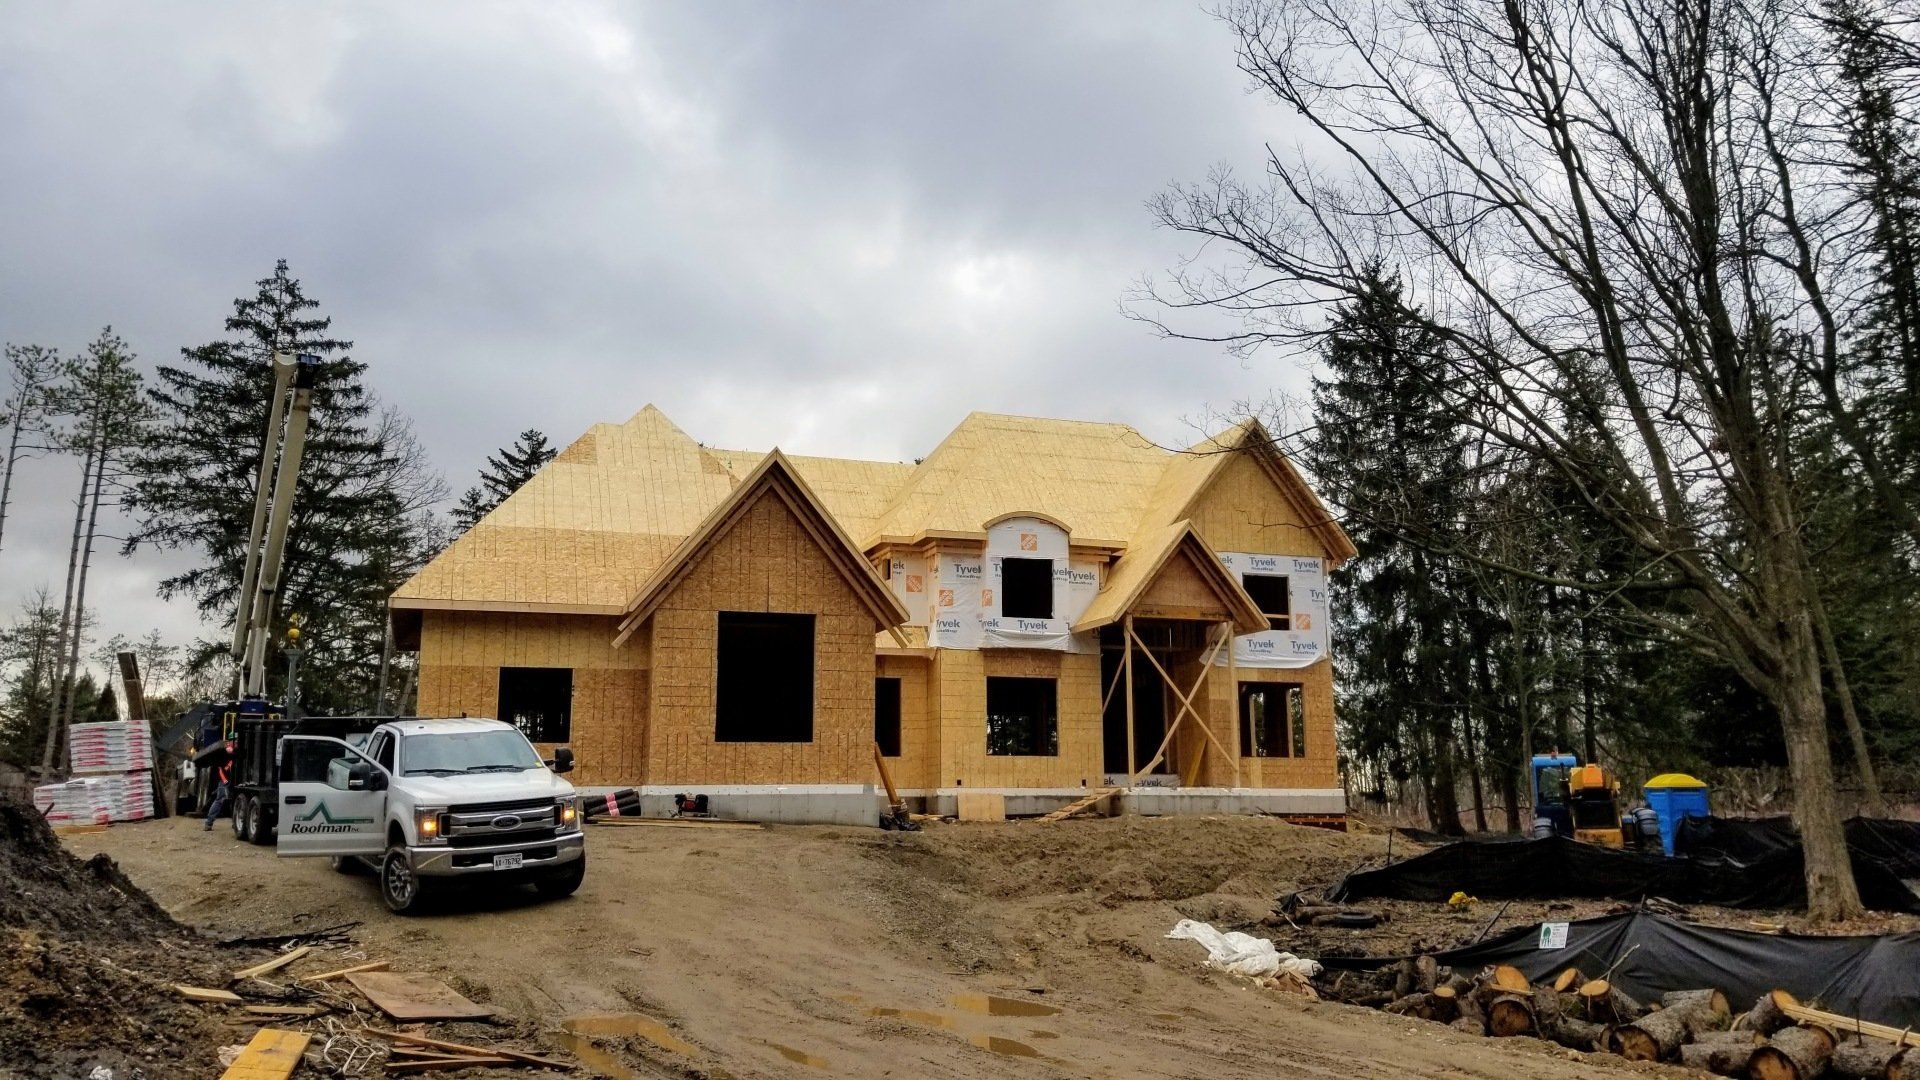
x,y
1607,1004
1569,980
1403,978
1707,1009
1905,1064
1653,1037
1414,1005
1863,1059
1509,1015
1574,1033
1724,1053
1444,1004
1793,1053
1374,999
1768,1015
1510,979
1426,974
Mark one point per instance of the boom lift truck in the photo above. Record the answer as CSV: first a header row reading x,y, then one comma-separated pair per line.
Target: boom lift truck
x,y
245,729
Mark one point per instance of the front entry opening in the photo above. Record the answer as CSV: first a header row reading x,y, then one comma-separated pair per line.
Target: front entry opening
x,y
1149,712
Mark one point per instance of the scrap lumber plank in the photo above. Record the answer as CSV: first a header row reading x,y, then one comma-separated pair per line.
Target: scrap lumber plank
x,y
211,996
272,1055
412,995
286,1010
447,1064
1083,803
1807,1014
463,1048
377,965
678,823
274,964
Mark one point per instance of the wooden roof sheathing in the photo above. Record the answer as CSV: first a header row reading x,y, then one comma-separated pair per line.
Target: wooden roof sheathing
x,y
1092,478
596,524
1135,572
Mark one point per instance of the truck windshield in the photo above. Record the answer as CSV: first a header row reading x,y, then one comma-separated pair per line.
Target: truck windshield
x,y
465,752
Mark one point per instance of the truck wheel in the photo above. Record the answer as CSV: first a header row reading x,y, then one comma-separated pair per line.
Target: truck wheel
x,y
400,888
237,808
564,882
259,828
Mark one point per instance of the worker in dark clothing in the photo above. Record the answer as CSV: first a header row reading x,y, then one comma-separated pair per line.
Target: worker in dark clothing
x,y
222,778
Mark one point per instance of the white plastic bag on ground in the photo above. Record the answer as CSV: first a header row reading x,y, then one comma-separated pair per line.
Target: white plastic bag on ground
x,y
1242,954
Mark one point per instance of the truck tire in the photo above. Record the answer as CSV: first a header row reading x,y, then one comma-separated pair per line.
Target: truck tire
x,y
237,809
563,882
259,825
400,888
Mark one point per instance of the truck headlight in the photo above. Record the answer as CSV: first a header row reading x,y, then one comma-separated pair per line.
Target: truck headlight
x,y
430,824
567,812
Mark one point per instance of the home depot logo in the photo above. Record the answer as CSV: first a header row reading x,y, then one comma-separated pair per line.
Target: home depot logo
x,y
305,823
1029,541
1303,621
916,583
946,597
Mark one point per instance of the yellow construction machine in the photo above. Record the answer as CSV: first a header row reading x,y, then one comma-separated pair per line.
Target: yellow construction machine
x,y
1581,801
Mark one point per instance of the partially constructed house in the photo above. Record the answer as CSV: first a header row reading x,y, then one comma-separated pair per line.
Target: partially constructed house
x,y
1039,609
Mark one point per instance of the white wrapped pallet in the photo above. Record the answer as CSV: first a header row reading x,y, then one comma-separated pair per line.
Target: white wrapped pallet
x,y
76,802
117,746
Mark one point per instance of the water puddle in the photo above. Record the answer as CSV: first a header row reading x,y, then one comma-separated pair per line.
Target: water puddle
x,y
994,1005
999,1045
578,1032
799,1057
918,1016
595,1060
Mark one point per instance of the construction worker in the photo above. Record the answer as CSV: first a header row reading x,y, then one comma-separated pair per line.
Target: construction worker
x,y
222,778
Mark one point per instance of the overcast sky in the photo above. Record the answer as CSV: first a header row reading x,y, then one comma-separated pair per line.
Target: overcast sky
x,y
832,227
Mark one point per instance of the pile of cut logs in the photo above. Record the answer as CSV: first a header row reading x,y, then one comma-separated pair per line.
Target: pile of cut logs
x,y
1777,1039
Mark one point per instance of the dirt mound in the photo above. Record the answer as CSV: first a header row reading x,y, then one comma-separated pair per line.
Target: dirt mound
x,y
86,964
1138,858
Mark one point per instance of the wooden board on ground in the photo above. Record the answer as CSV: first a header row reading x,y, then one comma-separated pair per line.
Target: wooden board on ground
x,y
272,1055
208,995
1085,802
412,995
274,964
74,830
377,965
677,823
981,806
286,1010
463,1048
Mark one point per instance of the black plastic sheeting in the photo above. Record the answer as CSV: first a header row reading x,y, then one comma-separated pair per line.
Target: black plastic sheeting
x,y
1872,978
1556,867
1894,845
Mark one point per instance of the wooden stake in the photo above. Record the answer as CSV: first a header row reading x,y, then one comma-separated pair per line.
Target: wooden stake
x,y
463,1048
1126,666
377,965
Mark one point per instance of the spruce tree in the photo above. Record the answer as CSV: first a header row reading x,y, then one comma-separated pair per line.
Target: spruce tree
x,y
506,471
357,525
1386,455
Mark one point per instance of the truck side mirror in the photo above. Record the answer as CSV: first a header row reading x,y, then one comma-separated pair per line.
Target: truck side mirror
x,y
376,780
563,759
359,776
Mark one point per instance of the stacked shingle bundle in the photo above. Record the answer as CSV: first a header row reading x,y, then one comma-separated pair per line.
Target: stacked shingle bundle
x,y
77,802
122,752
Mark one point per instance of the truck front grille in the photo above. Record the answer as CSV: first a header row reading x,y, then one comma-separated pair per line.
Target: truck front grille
x,y
486,824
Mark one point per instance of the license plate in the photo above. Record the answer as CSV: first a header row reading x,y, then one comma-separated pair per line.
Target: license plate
x,y
507,862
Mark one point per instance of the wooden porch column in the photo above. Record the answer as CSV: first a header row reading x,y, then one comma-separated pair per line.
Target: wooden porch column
x,y
1126,672
1233,706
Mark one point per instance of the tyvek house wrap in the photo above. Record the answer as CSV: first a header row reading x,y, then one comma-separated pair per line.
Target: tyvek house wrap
x,y
966,593
1306,642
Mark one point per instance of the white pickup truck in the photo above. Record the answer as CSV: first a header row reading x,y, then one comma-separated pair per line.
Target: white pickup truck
x,y
423,801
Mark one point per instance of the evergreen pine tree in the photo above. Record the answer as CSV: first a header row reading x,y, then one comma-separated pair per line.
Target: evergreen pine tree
x,y
358,524
506,471
1387,456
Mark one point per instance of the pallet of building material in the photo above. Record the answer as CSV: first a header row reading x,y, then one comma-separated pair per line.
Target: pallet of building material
x,y
624,802
407,996
77,802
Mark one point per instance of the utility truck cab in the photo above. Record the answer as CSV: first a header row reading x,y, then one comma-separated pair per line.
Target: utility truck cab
x,y
422,802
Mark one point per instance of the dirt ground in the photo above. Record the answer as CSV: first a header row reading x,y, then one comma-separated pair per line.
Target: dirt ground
x,y
1018,949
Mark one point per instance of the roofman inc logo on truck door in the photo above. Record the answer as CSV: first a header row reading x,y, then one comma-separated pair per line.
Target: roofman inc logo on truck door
x,y
305,823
